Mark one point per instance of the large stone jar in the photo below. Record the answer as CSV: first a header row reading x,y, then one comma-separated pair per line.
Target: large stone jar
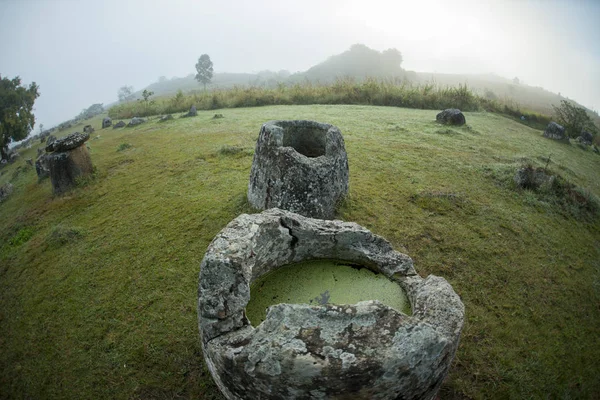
x,y
556,132
354,351
68,161
300,166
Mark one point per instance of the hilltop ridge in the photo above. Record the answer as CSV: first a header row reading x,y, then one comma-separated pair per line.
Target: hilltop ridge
x,y
360,62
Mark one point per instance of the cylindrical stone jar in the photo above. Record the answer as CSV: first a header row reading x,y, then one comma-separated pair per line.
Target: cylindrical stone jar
x,y
300,166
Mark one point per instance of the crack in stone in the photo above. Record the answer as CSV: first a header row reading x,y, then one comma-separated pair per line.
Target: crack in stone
x,y
291,233
268,194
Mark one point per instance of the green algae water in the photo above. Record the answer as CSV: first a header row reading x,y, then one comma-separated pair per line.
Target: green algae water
x,y
319,282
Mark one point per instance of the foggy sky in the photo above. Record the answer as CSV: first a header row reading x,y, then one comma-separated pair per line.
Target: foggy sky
x,y
81,52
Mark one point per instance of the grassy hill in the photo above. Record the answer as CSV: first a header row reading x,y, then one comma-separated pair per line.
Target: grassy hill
x,y
98,288
494,87
221,80
360,62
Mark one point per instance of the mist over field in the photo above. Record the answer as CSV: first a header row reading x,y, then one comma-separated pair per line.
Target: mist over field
x,y
81,53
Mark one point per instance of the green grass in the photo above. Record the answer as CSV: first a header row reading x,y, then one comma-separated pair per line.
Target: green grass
x,y
98,299
370,91
123,147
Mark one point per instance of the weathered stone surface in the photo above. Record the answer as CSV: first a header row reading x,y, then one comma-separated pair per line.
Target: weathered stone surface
x,y
88,129
192,113
218,116
165,118
44,135
300,166
136,121
42,167
586,138
119,124
5,191
69,142
361,351
556,132
66,166
51,139
106,122
451,116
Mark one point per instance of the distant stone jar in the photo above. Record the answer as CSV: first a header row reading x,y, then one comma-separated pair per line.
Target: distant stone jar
x,y
165,118
106,122
451,116
69,160
555,131
42,167
365,350
88,129
192,113
586,138
300,166
135,121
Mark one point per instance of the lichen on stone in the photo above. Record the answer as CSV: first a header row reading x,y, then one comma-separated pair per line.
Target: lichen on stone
x,y
300,166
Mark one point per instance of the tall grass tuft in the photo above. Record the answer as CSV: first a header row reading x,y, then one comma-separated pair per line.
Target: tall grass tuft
x,y
370,91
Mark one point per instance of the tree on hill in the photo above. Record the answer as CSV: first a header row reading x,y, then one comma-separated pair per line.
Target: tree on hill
x,y
16,116
204,66
146,101
574,119
125,93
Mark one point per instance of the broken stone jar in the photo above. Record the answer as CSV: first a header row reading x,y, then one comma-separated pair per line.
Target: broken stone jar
x,y
300,166
366,350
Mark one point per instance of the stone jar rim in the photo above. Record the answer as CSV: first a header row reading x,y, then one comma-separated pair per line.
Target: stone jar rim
x,y
365,350
231,251
279,127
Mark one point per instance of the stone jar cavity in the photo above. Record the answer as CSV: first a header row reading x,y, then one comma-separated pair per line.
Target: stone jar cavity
x,y
300,166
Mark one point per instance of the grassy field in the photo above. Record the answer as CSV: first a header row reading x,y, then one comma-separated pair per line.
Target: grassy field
x,y
98,288
347,91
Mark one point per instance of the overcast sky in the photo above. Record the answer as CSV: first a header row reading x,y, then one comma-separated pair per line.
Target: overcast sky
x,y
80,52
